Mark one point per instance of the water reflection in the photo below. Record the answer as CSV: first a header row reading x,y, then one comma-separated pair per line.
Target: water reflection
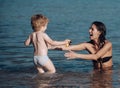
x,y
47,80
95,79
102,79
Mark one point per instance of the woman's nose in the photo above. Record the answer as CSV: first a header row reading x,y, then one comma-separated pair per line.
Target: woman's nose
x,y
89,30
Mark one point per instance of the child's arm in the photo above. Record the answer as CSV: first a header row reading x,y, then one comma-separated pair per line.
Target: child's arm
x,y
54,43
50,46
28,41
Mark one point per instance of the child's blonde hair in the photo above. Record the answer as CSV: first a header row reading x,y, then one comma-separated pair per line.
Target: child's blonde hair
x,y
37,21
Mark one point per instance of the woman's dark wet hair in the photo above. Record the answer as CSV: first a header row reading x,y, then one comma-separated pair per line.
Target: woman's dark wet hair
x,y
101,27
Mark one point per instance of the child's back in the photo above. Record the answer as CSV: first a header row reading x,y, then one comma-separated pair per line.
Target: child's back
x,y
40,46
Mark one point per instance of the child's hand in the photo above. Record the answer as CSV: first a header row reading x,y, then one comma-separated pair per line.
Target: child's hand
x,y
67,42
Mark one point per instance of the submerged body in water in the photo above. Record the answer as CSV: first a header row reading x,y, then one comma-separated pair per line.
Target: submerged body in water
x,y
95,79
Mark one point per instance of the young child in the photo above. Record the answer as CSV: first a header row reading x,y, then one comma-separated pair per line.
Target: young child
x,y
41,43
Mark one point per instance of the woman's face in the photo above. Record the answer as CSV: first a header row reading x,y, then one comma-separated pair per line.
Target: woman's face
x,y
94,33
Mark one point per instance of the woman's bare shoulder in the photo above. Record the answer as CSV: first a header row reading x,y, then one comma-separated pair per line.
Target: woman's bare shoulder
x,y
107,42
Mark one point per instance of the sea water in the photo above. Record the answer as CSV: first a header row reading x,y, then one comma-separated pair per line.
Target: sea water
x,y
68,19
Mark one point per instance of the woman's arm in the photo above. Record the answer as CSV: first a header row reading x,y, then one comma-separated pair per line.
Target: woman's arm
x,y
81,46
99,54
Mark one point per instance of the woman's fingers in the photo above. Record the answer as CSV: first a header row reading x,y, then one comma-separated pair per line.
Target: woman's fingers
x,y
69,54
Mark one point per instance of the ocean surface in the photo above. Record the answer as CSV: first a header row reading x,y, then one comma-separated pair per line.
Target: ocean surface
x,y
69,19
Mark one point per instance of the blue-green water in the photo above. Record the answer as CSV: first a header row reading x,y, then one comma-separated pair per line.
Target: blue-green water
x,y
69,19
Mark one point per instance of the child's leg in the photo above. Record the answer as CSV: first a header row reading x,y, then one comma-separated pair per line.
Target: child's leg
x,y
40,70
49,66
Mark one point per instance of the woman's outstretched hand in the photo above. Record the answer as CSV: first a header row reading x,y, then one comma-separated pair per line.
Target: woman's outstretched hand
x,y
70,55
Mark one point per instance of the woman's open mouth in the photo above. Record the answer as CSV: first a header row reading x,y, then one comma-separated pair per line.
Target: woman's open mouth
x,y
91,34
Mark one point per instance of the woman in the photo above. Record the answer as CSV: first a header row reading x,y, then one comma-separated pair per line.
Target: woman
x,y
99,48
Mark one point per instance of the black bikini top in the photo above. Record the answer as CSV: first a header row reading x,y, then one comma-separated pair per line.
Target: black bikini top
x,y
103,60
